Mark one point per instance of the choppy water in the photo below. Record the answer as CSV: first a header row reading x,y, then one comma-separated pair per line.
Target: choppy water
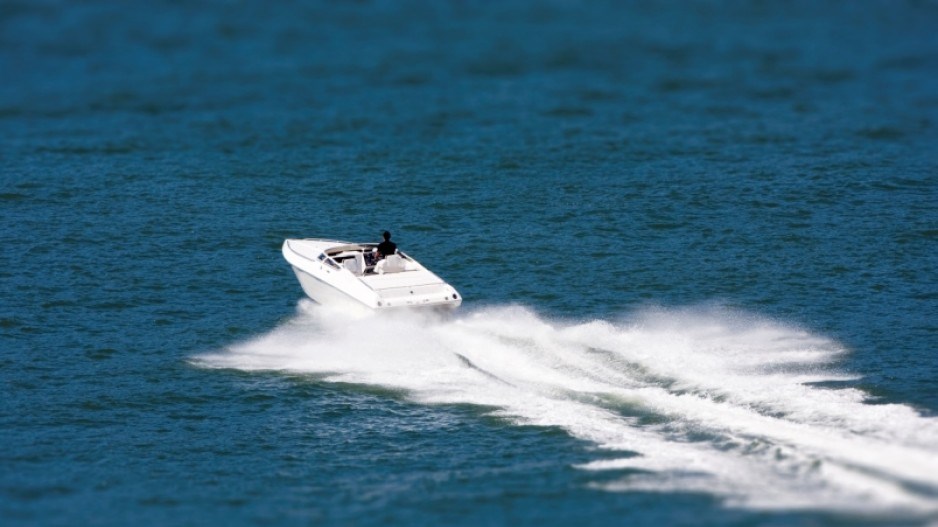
x,y
697,243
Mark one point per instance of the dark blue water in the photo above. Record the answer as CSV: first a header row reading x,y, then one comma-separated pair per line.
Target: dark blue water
x,y
698,243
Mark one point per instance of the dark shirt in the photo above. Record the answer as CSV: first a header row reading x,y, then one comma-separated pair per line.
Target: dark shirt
x,y
387,248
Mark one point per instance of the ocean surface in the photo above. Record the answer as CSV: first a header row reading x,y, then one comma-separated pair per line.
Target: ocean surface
x,y
697,242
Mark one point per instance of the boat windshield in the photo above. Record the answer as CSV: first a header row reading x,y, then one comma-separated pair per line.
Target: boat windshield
x,y
358,247
328,261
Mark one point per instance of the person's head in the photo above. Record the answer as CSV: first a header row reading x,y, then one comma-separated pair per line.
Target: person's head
x,y
387,236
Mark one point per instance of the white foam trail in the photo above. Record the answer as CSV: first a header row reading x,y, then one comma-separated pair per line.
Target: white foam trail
x,y
697,401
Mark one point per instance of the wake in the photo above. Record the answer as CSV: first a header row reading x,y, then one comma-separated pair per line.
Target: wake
x,y
706,401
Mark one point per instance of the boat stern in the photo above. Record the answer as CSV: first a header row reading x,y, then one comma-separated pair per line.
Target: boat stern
x,y
441,295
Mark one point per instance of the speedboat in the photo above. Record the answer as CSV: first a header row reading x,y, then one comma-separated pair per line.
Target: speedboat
x,y
333,272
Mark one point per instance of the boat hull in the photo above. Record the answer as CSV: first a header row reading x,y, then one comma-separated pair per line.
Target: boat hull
x,y
324,293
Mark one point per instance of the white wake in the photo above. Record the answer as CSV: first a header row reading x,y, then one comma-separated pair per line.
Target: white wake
x,y
704,400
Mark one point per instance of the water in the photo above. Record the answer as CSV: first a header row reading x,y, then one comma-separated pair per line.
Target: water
x,y
696,242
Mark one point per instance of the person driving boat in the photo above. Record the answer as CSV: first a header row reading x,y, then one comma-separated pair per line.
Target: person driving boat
x,y
387,247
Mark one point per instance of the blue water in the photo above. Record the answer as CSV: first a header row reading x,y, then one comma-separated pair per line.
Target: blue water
x,y
697,242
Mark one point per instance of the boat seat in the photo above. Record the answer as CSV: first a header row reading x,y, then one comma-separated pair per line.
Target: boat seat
x,y
355,264
391,264
395,264
360,260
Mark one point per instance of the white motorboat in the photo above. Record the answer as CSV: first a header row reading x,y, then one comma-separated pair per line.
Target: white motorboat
x,y
341,273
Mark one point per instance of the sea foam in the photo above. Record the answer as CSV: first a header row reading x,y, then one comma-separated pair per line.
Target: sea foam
x,y
755,412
